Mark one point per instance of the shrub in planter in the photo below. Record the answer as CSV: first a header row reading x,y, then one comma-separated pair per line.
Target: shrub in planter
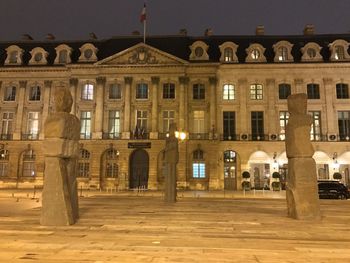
x,y
275,186
337,176
276,175
246,185
246,175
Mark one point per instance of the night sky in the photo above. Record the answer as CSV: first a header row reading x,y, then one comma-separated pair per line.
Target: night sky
x,y
75,19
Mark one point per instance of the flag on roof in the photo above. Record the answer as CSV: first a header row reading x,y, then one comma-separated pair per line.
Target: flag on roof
x,y
143,14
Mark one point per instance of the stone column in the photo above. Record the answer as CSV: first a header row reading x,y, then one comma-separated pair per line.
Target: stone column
x,y
155,87
182,103
271,101
46,106
19,114
212,107
73,83
244,118
101,81
127,102
298,83
331,118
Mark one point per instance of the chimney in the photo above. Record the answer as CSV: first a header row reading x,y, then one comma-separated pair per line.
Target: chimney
x,y
309,30
92,35
183,32
50,37
135,33
260,30
26,37
208,32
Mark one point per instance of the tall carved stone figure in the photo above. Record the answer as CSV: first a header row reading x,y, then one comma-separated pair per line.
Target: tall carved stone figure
x,y
60,195
302,192
171,158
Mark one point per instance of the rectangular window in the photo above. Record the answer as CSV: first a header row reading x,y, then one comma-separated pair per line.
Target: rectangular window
x,y
228,92
3,169
284,90
141,119
87,92
141,91
10,93
35,93
198,170
115,92
85,125
83,169
198,92
168,118
6,125
169,91
229,125
284,116
344,125
33,124
28,169
315,133
198,122
342,91
257,121
256,92
313,91
113,124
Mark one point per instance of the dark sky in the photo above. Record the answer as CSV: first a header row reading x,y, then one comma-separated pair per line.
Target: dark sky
x,y
75,19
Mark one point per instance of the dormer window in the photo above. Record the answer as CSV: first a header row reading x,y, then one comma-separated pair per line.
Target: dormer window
x,y
228,52
199,51
14,55
88,53
255,53
339,50
63,53
38,56
311,52
283,51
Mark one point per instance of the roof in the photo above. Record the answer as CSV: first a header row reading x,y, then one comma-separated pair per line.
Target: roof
x,y
178,45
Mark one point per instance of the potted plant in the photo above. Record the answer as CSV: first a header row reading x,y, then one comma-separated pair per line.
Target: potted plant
x,y
276,183
246,181
337,176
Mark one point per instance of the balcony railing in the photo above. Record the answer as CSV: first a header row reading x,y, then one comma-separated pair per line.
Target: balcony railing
x,y
111,136
229,137
199,136
85,136
29,137
140,136
6,137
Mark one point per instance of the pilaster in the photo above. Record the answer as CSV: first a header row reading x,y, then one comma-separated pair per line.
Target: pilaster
x,y
73,85
127,102
100,87
19,114
45,113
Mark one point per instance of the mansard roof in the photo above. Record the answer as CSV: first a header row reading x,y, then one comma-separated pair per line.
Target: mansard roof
x,y
178,46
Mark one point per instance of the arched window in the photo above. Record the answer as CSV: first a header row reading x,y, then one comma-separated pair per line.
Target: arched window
x,y
4,159
198,165
62,57
284,90
84,164
13,57
228,54
111,163
28,163
283,54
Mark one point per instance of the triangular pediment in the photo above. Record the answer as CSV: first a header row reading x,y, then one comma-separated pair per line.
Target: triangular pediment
x,y
142,54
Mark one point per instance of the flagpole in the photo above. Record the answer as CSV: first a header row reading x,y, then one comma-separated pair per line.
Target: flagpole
x,y
144,31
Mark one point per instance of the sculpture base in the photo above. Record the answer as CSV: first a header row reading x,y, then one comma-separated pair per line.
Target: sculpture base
x,y
302,192
170,184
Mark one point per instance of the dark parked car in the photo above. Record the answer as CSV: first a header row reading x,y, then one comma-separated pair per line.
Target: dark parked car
x,y
332,189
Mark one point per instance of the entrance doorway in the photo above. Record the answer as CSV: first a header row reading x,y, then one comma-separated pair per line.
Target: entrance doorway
x,y
230,163
139,164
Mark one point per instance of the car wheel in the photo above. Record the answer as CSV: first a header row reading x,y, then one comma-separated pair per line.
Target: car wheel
x,y
342,196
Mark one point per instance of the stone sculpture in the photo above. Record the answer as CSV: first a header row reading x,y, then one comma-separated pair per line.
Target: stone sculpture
x,y
171,158
60,195
302,191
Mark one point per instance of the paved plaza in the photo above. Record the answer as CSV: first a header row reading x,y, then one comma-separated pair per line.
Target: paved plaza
x,y
200,227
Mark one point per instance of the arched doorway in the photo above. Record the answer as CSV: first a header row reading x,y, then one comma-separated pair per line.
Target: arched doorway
x,y
139,164
230,163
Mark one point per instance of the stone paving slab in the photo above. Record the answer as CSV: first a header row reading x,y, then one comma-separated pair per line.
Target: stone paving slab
x,y
123,228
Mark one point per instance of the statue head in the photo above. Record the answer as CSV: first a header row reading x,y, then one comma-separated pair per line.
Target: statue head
x,y
172,129
297,103
63,100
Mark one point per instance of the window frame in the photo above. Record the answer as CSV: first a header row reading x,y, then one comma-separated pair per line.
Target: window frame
x,y
313,91
87,92
142,91
198,91
169,91
229,92
284,90
342,91
256,92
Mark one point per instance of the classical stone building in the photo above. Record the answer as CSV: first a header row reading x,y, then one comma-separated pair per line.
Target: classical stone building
x,y
227,93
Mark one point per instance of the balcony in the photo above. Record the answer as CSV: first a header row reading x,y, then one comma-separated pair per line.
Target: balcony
x,y
199,136
139,136
111,136
85,136
229,137
30,136
6,137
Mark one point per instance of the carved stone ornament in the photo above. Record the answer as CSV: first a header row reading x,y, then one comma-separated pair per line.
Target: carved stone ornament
x,y
142,56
